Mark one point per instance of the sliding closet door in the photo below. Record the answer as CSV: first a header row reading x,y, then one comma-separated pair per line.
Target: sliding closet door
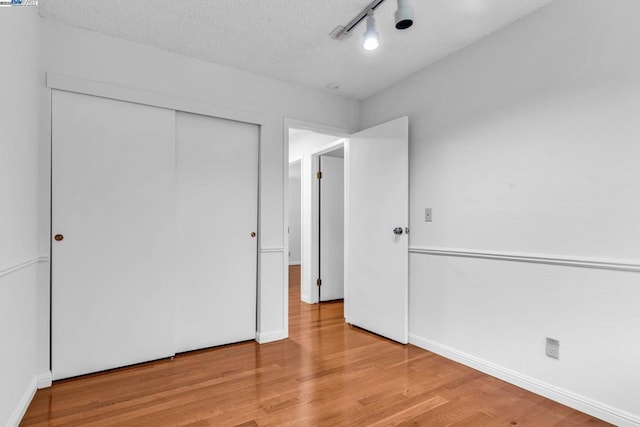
x,y
113,233
217,211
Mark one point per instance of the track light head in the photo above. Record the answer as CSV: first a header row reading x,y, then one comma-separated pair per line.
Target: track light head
x,y
403,18
370,41
404,15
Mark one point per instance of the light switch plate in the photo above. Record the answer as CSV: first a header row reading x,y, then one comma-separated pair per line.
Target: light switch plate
x,y
428,217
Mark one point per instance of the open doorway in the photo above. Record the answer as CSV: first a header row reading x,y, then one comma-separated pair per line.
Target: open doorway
x,y
309,150
376,219
331,225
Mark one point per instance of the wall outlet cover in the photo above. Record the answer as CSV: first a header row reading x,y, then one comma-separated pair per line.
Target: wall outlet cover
x,y
553,348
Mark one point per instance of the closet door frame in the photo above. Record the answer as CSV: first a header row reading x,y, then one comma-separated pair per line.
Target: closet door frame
x,y
267,271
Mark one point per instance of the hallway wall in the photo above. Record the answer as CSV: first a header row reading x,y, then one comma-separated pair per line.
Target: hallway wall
x,y
295,213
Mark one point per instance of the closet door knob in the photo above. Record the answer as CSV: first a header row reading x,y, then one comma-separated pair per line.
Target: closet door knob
x,y
58,237
253,234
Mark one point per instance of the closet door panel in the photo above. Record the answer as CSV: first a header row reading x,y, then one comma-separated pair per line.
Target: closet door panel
x,y
217,211
113,233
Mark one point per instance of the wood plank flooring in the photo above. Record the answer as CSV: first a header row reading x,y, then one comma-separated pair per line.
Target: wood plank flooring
x,y
325,374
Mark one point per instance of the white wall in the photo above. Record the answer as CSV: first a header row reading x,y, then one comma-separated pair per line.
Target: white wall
x,y
88,55
295,213
527,142
18,209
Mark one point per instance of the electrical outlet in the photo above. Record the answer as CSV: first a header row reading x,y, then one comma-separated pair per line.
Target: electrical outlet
x,y
428,217
553,348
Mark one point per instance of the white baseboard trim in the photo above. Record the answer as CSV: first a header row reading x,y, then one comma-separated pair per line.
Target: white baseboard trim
x,y
294,263
44,380
265,337
306,299
23,405
597,409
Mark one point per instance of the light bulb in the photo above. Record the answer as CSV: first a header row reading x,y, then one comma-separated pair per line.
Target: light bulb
x,y
371,41
371,35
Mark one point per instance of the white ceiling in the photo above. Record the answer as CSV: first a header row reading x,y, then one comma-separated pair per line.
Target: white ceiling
x,y
289,39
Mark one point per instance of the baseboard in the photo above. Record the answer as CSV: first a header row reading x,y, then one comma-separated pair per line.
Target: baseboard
x,y
597,409
265,337
44,380
23,405
294,263
305,298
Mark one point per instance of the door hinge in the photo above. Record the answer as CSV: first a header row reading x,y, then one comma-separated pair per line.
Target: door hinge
x,y
319,175
319,282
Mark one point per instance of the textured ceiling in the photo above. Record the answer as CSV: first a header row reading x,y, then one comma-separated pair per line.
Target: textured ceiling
x,y
289,39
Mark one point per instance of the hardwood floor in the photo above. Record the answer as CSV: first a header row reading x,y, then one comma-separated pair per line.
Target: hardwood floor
x,y
326,373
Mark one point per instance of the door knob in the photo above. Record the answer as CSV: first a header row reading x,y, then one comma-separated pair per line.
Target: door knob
x,y
58,237
397,231
253,234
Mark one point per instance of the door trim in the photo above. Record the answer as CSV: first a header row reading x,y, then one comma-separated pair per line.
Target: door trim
x,y
137,96
290,123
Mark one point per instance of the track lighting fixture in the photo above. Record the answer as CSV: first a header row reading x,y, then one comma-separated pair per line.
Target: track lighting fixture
x,y
404,15
403,20
371,35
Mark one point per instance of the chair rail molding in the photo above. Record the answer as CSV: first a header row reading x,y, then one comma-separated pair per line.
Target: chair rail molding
x,y
17,267
534,258
271,250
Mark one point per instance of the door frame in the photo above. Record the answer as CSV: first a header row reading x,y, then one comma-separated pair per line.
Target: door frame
x,y
316,201
310,271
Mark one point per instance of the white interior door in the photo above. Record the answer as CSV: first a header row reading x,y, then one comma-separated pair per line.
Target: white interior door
x,y
217,195
331,228
377,197
113,174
